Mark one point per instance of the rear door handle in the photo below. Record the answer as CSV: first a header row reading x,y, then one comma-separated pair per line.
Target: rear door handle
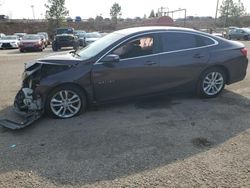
x,y
150,63
198,56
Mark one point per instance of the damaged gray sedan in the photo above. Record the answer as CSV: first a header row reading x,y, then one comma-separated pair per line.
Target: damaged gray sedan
x,y
127,63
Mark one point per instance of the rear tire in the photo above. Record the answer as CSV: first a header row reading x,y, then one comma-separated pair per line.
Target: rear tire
x,y
65,102
211,83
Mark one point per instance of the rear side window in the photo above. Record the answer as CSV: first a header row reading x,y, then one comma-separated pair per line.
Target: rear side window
x,y
204,41
172,41
178,41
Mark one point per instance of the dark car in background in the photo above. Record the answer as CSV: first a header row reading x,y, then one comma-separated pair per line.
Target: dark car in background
x,y
31,42
239,34
65,37
131,62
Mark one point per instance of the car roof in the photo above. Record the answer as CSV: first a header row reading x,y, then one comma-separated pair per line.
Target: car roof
x,y
152,29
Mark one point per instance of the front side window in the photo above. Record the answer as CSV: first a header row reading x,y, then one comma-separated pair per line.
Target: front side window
x,y
135,48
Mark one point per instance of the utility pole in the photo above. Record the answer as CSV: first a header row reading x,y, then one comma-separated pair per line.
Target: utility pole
x,y
185,14
216,12
32,7
226,17
162,11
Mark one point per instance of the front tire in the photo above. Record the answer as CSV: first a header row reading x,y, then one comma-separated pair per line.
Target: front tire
x,y
54,47
211,83
65,102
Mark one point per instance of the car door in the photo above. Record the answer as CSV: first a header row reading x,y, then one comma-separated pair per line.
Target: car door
x,y
184,57
134,74
239,33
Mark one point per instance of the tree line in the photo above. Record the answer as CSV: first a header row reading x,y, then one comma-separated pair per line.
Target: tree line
x,y
230,12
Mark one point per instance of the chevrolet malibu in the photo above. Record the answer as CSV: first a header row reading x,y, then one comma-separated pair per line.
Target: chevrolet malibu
x,y
127,63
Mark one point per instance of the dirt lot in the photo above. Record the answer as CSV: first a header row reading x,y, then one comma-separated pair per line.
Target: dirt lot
x,y
172,141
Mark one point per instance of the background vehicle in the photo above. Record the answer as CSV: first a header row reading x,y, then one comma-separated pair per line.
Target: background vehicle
x,y
45,34
78,19
9,41
43,41
81,37
132,62
20,35
2,35
239,34
65,38
31,42
92,37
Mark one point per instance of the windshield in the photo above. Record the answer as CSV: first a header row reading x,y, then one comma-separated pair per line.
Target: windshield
x,y
44,34
80,34
98,46
64,31
31,37
9,38
92,35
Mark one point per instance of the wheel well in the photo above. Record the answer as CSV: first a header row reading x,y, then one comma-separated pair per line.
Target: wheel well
x,y
71,84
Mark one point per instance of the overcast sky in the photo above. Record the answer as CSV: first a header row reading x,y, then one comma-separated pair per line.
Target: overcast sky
x,y
130,8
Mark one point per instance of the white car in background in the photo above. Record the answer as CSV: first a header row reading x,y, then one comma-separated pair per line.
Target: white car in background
x,y
2,35
9,41
92,37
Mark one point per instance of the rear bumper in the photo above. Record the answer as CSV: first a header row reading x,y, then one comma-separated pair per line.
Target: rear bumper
x,y
237,71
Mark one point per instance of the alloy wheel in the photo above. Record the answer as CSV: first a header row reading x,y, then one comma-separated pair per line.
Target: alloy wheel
x,y
65,103
213,83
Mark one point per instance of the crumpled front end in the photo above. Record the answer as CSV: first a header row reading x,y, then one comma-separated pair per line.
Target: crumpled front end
x,y
28,102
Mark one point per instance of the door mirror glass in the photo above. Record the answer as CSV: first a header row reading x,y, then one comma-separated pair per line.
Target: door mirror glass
x,y
111,58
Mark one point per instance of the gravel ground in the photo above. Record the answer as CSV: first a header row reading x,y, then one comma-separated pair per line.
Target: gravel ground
x,y
170,141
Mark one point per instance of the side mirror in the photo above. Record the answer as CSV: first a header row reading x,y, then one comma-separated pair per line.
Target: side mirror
x,y
111,58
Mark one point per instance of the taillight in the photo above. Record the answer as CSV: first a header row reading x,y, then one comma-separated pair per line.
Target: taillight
x,y
244,51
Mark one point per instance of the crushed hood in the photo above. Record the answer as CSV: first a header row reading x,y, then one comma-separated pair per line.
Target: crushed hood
x,y
66,59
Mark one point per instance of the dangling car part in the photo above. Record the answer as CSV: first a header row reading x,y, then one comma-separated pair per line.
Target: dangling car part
x,y
27,106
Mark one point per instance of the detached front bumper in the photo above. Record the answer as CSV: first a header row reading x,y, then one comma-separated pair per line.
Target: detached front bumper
x,y
28,106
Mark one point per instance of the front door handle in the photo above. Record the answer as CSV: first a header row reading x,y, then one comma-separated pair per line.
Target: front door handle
x,y
150,63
